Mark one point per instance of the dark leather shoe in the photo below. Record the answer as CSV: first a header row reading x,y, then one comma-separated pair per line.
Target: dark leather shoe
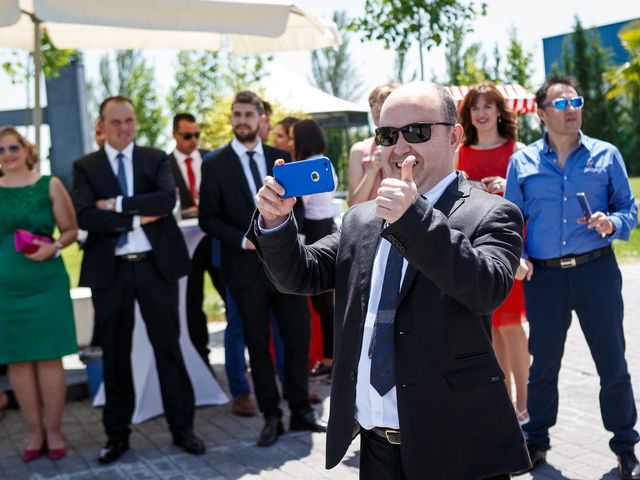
x,y
272,429
537,457
629,466
191,444
307,421
112,451
319,370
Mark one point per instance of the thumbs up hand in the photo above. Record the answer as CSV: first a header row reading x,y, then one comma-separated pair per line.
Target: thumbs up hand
x,y
395,196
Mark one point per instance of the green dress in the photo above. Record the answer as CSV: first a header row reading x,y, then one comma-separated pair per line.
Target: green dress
x,y
36,314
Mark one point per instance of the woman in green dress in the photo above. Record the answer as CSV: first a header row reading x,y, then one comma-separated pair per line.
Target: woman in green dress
x,y
36,315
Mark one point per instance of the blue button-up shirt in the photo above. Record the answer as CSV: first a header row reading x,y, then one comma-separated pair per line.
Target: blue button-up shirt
x,y
546,195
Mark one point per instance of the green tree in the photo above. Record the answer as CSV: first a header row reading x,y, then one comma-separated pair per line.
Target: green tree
x,y
130,75
332,69
586,60
625,86
402,23
197,82
53,60
519,69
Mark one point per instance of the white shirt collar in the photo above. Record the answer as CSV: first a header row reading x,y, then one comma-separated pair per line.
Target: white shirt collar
x,y
240,149
112,152
180,157
436,192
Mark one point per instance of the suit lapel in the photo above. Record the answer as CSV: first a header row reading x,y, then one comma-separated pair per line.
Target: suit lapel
x,y
185,193
237,172
450,200
106,172
368,245
137,159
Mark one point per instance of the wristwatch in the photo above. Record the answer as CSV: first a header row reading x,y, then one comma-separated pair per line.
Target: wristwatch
x,y
111,204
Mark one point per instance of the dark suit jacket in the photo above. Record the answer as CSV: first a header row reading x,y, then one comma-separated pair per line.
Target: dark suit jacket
x,y
183,187
226,207
456,419
154,194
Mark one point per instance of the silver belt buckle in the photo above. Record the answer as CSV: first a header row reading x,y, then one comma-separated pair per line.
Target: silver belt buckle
x,y
568,262
389,434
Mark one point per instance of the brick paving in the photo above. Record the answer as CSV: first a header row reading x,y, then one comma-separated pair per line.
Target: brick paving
x,y
579,441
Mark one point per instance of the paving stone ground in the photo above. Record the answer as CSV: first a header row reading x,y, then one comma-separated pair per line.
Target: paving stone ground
x,y
579,442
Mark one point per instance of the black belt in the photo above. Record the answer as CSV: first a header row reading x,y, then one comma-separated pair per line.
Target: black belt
x,y
134,257
389,434
573,261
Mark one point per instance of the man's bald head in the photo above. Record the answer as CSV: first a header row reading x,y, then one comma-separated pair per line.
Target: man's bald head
x,y
412,106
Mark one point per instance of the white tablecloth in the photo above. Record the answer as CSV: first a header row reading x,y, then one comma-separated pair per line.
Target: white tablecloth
x,y
206,389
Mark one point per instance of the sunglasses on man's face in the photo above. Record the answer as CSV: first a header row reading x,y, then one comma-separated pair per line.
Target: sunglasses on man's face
x,y
563,103
188,136
412,133
11,148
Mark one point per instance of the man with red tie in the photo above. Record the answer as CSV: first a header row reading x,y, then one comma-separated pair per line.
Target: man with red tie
x,y
186,163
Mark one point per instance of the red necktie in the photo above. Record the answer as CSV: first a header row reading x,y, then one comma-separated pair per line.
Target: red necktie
x,y
192,180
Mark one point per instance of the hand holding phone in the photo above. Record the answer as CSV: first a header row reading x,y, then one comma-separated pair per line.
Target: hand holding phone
x,y
305,177
586,208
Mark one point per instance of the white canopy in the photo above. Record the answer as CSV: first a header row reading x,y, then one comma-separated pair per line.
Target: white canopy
x,y
246,26
296,94
518,98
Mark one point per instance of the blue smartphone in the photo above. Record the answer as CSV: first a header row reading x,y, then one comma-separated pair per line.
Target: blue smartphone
x,y
305,177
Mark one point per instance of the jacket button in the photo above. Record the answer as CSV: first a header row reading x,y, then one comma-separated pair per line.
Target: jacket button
x,y
353,376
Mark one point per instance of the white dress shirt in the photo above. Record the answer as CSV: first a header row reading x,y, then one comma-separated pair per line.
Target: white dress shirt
x,y
372,410
196,165
319,206
261,162
137,241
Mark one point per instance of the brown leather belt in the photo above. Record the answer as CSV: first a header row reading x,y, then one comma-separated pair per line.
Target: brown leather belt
x,y
134,257
573,261
389,434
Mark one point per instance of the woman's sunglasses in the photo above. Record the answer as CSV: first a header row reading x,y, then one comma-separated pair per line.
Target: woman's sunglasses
x,y
563,103
11,148
412,133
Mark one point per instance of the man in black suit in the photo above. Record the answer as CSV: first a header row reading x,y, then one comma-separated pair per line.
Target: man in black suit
x,y
124,195
417,273
229,182
186,164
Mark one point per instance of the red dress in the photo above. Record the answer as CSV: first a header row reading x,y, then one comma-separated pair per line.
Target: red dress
x,y
479,164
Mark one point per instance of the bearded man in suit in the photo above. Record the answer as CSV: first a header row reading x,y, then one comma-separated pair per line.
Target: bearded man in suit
x,y
230,180
417,273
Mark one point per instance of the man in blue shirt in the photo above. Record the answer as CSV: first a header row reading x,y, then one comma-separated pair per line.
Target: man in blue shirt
x,y
570,265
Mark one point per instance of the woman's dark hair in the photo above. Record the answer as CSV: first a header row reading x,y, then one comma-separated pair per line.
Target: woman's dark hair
x,y
287,123
308,139
507,125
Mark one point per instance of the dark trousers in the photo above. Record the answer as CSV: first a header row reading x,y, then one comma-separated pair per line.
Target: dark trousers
x,y
593,290
114,307
196,318
323,303
381,460
292,313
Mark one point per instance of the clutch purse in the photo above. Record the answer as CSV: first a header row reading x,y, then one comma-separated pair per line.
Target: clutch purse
x,y
24,241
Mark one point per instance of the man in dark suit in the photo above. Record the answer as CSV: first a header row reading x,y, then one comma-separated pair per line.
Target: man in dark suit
x,y
417,273
186,164
124,195
229,183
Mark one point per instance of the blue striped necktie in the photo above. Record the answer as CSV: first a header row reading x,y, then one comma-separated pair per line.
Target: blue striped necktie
x,y
381,351
122,181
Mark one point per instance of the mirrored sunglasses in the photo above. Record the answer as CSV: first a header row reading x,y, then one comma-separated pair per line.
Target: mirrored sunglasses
x,y
11,148
563,103
412,133
188,136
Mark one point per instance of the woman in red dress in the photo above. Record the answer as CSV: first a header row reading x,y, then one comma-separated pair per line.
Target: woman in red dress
x,y
490,139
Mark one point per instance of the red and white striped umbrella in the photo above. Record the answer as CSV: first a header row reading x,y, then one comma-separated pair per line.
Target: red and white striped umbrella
x,y
518,98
